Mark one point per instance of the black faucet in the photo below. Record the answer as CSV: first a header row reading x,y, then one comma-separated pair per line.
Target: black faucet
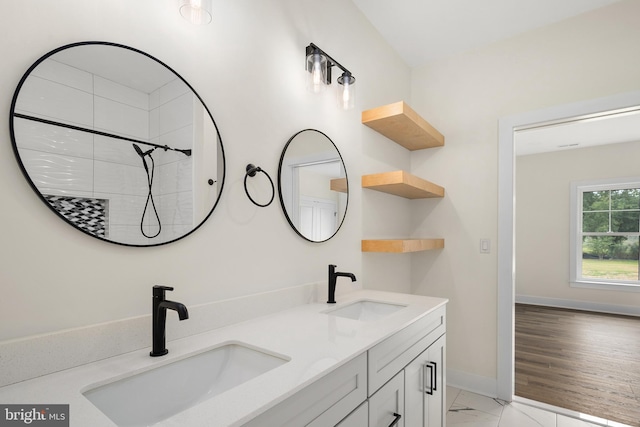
x,y
159,318
333,276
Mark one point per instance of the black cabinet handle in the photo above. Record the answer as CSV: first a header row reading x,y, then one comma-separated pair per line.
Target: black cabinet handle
x,y
395,421
430,389
435,376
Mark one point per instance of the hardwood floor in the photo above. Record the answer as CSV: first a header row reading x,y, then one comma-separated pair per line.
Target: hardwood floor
x,y
583,361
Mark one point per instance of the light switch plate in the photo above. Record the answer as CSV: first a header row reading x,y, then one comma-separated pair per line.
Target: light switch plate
x,y
485,246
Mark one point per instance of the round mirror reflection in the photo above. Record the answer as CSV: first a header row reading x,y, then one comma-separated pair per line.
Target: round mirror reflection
x,y
313,187
117,144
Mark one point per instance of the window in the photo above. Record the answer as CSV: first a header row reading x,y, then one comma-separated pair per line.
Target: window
x,y
605,234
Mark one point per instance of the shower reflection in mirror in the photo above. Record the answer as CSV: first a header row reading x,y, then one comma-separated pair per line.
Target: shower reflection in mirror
x,y
150,168
313,185
117,152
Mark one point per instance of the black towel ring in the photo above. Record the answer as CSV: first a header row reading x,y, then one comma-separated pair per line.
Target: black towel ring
x,y
251,171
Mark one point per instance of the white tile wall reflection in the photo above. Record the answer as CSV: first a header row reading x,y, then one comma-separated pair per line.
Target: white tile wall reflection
x,y
61,161
65,75
54,101
120,94
40,137
124,209
181,138
116,151
176,208
176,176
121,119
58,172
116,178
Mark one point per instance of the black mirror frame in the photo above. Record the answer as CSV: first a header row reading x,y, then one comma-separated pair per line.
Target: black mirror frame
x,y
37,191
284,209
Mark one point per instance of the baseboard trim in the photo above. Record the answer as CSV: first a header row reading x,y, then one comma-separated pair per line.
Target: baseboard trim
x,y
473,383
579,305
566,412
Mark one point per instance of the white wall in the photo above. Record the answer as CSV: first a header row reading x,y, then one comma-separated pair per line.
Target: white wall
x,y
542,219
593,55
248,67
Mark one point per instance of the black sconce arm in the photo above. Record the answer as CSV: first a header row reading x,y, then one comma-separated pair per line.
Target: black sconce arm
x,y
331,62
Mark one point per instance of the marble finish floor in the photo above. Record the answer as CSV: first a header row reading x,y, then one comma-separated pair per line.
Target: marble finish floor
x,y
467,409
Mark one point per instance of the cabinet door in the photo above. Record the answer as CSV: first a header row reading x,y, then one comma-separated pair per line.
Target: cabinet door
x,y
386,406
424,387
415,398
391,355
436,402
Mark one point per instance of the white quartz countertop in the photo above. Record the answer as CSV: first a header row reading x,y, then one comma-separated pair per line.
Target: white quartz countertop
x,y
314,343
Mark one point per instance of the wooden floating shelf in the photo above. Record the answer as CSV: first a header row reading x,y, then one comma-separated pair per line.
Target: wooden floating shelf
x,y
339,184
403,184
401,124
402,245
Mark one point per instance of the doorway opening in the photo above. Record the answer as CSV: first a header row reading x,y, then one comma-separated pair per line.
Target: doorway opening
x,y
508,128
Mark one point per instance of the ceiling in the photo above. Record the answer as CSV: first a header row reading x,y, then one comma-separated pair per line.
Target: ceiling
x,y
425,30
607,128
123,66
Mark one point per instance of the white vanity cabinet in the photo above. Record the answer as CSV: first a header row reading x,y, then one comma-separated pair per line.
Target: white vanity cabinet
x,y
333,369
425,384
386,406
323,403
398,382
417,354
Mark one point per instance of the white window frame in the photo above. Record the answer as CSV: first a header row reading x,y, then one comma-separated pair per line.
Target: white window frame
x,y
575,259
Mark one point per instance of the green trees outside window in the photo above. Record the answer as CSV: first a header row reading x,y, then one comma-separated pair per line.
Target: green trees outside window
x,y
610,234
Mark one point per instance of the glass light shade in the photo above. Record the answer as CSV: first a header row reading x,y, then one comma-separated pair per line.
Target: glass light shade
x,y
346,94
197,12
317,65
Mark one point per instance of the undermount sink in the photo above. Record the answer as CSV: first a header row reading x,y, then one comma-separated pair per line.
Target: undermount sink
x,y
365,311
152,396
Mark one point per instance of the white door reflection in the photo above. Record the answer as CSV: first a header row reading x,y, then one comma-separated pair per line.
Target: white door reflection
x,y
318,204
312,182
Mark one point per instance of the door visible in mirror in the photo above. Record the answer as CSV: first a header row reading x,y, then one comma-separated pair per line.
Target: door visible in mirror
x,y
313,186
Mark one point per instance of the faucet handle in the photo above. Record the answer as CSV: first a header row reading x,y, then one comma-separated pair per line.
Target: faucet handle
x,y
158,291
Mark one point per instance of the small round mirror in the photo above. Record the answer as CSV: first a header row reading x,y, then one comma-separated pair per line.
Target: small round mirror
x,y
117,144
313,186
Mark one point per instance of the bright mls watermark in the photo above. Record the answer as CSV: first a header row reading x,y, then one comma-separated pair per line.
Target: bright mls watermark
x,y
34,415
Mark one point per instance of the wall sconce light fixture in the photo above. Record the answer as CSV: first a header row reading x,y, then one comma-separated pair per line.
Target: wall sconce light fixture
x,y
197,12
319,67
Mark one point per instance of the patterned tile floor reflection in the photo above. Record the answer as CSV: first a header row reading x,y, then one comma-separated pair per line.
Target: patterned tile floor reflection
x,y
468,409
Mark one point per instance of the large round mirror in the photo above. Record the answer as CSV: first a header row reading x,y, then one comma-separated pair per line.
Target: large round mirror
x,y
313,187
117,144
